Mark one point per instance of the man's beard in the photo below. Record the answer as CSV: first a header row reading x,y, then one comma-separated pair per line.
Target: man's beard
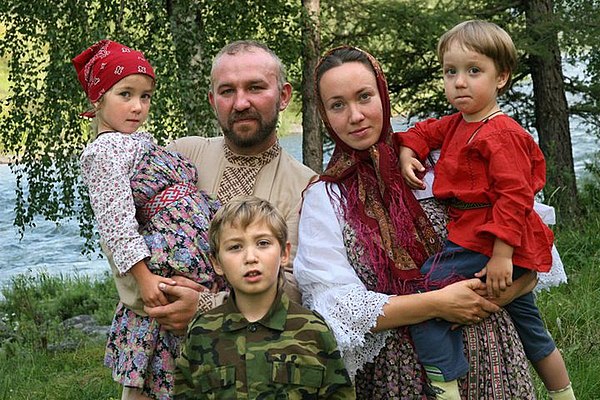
x,y
265,129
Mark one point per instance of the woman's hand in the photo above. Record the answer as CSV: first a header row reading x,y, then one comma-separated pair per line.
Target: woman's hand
x,y
460,302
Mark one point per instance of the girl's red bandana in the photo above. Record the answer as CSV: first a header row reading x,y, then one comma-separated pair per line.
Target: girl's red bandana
x,y
105,63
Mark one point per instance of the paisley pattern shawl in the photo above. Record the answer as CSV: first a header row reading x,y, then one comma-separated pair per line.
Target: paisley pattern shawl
x,y
377,203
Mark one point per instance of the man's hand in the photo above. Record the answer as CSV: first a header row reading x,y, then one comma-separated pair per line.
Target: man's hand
x,y
176,316
183,281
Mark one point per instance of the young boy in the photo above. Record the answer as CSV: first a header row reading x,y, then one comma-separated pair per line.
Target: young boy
x,y
488,173
259,344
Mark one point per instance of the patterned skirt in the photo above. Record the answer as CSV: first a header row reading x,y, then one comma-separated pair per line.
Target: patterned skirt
x,y
499,369
139,351
141,354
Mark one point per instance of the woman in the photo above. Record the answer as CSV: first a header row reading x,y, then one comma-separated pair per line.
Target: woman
x,y
362,238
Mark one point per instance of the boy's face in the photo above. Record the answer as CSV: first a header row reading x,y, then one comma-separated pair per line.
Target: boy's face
x,y
471,82
250,259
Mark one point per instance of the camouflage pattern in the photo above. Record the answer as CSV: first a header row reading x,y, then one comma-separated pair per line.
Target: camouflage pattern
x,y
289,354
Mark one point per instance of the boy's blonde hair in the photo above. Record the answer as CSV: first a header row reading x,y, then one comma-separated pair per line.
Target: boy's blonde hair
x,y
485,38
243,211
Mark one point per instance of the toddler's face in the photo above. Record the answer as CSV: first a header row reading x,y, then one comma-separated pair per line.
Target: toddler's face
x,y
471,82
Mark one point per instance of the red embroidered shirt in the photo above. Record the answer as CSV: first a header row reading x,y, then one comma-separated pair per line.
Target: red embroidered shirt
x,y
495,162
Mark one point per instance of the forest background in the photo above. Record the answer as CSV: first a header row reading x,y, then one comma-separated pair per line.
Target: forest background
x,y
42,135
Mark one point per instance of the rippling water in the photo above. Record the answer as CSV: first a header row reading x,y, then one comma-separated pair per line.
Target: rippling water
x,y
57,249
45,247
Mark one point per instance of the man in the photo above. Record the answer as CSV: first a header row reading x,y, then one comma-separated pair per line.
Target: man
x,y
248,90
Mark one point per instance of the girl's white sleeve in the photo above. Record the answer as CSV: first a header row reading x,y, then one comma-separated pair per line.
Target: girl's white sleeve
x,y
330,285
107,165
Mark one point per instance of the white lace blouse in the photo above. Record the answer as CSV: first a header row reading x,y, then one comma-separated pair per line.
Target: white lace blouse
x,y
329,284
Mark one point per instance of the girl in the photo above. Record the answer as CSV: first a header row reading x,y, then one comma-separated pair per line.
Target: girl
x,y
488,173
149,213
362,238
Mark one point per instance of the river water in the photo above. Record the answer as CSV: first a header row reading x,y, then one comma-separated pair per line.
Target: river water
x,y
57,249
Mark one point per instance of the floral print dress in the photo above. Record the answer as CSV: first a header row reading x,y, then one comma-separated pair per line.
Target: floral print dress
x,y
174,241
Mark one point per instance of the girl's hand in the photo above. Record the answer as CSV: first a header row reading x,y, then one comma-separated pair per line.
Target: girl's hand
x,y
176,316
148,283
410,167
149,289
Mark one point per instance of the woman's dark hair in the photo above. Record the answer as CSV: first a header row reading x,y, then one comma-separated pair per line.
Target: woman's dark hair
x,y
339,56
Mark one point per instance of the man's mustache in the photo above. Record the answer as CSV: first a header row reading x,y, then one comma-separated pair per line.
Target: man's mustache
x,y
237,116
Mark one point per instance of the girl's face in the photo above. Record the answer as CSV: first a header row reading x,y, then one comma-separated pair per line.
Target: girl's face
x,y
471,82
124,108
352,104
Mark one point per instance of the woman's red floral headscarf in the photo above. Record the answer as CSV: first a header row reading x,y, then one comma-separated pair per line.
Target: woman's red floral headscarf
x,y
388,220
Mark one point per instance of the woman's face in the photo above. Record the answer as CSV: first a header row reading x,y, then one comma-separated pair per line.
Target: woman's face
x,y
352,104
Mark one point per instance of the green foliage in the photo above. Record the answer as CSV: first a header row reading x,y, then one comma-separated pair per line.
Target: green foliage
x,y
39,115
34,306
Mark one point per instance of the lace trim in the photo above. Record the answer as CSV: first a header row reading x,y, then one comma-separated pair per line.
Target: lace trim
x,y
351,313
554,277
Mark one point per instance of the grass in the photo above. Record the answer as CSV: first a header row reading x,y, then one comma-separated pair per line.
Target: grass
x,y
35,305
31,312
75,375
571,311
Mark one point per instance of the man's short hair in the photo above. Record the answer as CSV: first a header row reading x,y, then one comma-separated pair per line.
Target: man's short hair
x,y
239,46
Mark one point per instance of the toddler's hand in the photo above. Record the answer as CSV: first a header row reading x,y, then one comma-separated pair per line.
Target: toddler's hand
x,y
499,275
410,167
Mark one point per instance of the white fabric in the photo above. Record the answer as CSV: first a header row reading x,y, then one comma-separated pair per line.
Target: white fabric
x,y
557,274
329,284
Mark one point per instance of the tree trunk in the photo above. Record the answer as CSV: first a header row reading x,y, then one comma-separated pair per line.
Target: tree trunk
x,y
188,35
312,141
551,108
